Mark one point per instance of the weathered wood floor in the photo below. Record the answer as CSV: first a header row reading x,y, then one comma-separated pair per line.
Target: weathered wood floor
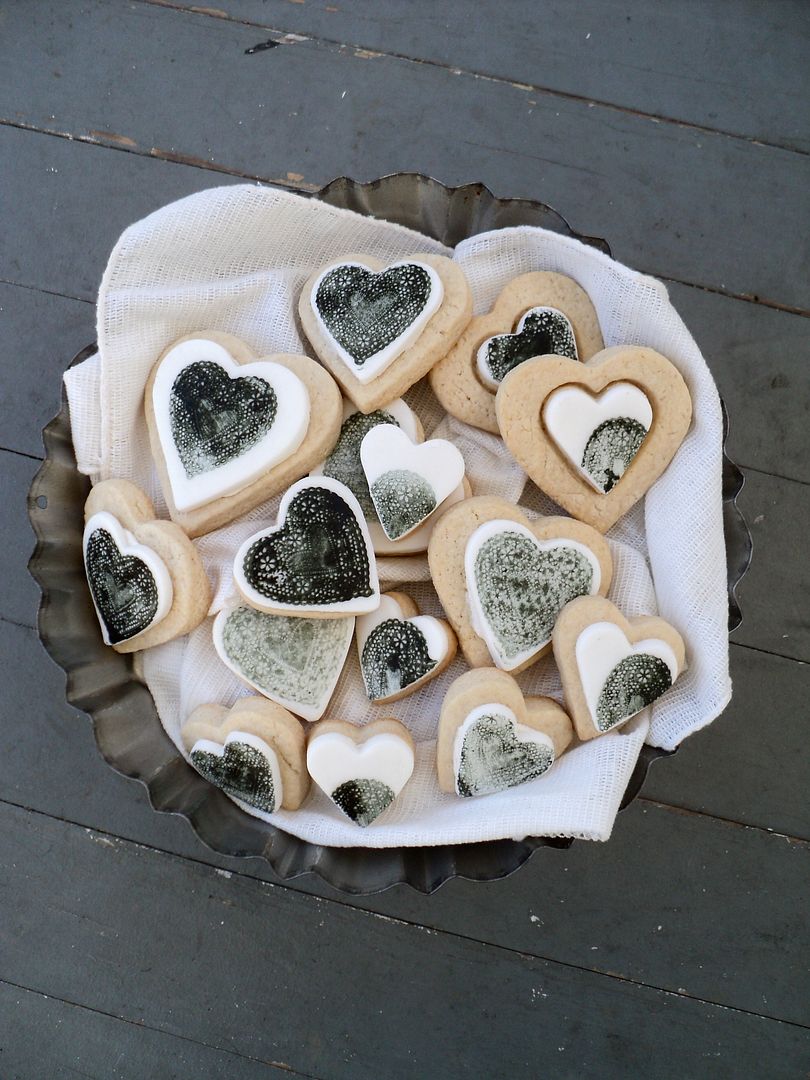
x,y
681,132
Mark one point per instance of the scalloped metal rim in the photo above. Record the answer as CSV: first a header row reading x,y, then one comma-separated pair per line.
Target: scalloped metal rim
x,y
105,685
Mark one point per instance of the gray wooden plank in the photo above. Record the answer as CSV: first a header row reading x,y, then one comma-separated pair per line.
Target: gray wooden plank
x,y
19,595
249,967
773,592
758,358
742,70
44,1037
39,335
659,192
563,905
757,748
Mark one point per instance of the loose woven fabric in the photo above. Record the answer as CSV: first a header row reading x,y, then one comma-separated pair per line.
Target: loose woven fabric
x,y
234,259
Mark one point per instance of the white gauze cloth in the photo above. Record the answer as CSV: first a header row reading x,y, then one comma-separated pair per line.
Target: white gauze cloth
x,y
234,259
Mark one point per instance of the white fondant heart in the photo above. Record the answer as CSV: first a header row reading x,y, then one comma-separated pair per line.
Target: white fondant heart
x,y
601,647
419,538
293,661
431,630
128,547
335,759
571,415
407,480
281,439
565,347
513,603
378,361
220,752
510,753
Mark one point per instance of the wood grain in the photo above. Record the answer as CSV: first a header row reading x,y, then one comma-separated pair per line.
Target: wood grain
x,y
314,111
230,962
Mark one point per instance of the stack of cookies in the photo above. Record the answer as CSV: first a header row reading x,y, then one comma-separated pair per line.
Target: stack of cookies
x,y
359,483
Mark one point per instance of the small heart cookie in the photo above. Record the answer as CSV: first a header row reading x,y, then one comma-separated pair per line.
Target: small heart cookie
x,y
254,752
408,481
317,560
361,769
291,660
503,579
536,314
380,328
595,436
228,430
146,579
611,667
399,649
492,738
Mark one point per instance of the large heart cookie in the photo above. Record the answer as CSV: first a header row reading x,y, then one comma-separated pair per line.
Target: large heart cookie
x,y
611,667
595,436
254,752
296,662
361,769
146,579
503,579
380,328
535,314
492,738
408,481
318,558
228,431
399,649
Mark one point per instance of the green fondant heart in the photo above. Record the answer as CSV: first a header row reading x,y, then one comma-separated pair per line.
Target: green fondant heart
x,y
402,499
363,800
522,588
364,312
631,686
215,418
297,660
394,656
241,771
610,449
493,758
318,556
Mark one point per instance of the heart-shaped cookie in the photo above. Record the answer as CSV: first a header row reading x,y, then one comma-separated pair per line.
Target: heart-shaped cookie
x,y
399,649
228,431
293,661
361,769
611,667
467,378
408,481
380,328
317,560
503,579
146,579
492,738
546,406
254,752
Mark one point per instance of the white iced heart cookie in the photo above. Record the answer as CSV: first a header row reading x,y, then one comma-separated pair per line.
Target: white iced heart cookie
x,y
146,578
491,738
293,661
379,329
222,424
611,667
317,560
129,582
362,770
399,649
600,434
408,481
540,331
254,752
371,318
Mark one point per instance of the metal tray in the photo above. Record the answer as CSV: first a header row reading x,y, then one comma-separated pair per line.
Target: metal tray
x,y
105,685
